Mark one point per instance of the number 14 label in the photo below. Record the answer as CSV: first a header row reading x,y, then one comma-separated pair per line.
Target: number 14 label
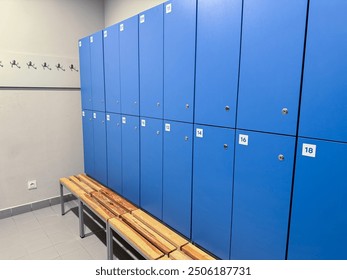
x,y
309,150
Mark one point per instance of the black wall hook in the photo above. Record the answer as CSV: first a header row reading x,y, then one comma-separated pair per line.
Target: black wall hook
x,y
14,63
60,67
72,68
30,64
45,65
1,64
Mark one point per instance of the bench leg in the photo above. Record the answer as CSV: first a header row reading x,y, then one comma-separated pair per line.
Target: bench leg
x,y
109,242
62,200
81,218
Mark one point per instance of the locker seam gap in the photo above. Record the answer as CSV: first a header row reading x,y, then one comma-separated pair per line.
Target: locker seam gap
x,y
297,128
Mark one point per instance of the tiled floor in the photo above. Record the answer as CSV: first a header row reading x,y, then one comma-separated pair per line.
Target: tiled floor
x,y
46,235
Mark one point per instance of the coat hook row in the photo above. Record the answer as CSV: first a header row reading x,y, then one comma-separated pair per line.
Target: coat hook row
x,y
45,65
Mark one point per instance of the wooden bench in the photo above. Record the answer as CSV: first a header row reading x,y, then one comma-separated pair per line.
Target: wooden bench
x,y
148,236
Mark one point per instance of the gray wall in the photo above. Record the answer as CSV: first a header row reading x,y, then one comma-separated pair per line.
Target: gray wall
x,y
118,10
40,130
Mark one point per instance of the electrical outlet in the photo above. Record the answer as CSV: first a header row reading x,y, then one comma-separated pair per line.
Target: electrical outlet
x,y
32,185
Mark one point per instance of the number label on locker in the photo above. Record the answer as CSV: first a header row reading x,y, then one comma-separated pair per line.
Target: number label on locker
x,y
243,139
309,150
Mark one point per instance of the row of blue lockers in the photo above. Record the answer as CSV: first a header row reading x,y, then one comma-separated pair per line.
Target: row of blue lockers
x,y
230,63
229,191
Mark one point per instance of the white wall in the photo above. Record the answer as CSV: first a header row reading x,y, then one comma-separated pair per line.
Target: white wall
x,y
118,10
40,130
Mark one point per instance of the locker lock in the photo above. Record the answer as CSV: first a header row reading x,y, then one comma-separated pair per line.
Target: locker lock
x,y
227,108
187,106
118,124
284,111
280,157
225,146
158,104
158,132
186,138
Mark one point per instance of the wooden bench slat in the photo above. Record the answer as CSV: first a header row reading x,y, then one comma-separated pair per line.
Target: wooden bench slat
x,y
137,240
97,207
195,253
81,184
112,207
178,255
89,182
161,243
120,200
77,191
161,229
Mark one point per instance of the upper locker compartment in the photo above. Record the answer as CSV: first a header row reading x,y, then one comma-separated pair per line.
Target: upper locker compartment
x,y
97,71
85,75
273,35
217,61
129,65
323,105
179,59
111,63
151,62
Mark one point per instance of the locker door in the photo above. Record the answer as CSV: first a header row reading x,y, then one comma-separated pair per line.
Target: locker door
x,y
152,166
97,71
262,190
114,152
131,158
212,188
151,62
217,61
323,105
318,227
88,142
177,175
84,54
129,65
179,59
111,63
100,156
273,35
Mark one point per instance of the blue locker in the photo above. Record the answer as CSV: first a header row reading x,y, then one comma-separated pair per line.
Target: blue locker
x,y
151,36
177,175
85,74
97,71
100,154
217,61
114,152
212,188
273,35
179,59
131,158
88,142
323,105
152,166
262,191
112,74
318,227
129,65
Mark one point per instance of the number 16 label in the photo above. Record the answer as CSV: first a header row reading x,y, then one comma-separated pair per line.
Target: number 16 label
x,y
308,150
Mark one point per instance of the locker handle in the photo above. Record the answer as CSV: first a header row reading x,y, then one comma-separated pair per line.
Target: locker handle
x,y
280,157
225,146
227,108
187,106
285,111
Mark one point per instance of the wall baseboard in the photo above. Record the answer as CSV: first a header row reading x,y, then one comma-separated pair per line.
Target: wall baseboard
x,y
9,212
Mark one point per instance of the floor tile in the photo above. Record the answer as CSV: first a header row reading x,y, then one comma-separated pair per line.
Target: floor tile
x,y
68,247
80,254
37,245
49,253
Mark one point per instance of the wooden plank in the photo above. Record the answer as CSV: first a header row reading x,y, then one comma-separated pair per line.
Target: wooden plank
x,y
97,207
88,181
135,239
158,241
110,205
119,200
77,191
161,229
179,255
195,253
81,184
164,258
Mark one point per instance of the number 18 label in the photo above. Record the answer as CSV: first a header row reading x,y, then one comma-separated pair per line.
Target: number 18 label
x,y
308,150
